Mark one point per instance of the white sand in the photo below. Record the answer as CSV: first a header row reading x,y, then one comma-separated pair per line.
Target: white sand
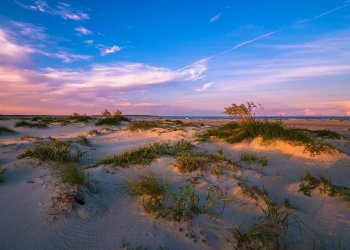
x,y
110,214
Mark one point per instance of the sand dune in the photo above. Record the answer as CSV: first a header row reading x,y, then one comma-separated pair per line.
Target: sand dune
x,y
110,215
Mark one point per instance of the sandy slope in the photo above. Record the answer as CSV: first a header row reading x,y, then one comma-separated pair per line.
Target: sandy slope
x,y
110,214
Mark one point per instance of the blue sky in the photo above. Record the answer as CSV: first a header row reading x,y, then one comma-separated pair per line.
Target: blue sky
x,y
174,57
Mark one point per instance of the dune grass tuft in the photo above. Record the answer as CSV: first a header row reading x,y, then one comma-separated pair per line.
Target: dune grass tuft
x,y
83,140
56,150
111,120
182,146
270,228
161,200
75,117
268,131
39,124
71,174
323,184
2,174
164,124
250,158
189,161
143,155
5,130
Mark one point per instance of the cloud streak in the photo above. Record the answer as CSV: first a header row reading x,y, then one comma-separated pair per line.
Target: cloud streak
x,y
63,10
215,18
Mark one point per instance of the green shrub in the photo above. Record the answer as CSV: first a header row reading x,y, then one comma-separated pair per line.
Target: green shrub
x,y
60,151
143,155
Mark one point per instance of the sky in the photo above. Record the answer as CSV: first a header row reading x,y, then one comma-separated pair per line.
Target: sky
x,y
184,57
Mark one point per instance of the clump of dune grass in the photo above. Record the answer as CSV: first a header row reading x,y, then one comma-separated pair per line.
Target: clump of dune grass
x,y
5,130
71,174
76,117
93,132
270,229
143,155
251,158
111,120
2,174
83,140
182,146
55,150
161,200
249,127
39,124
268,131
189,161
323,184
164,124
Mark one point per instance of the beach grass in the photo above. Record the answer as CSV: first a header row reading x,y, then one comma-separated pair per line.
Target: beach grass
x,y
270,228
142,156
181,146
2,174
161,200
164,124
251,158
5,130
71,174
55,150
308,182
269,130
82,140
39,124
189,161
112,121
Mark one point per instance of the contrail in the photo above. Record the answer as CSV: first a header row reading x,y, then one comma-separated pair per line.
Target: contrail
x,y
347,3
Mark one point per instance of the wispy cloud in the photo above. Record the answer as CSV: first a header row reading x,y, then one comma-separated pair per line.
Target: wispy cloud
x,y
82,30
215,18
30,30
205,86
105,50
14,52
63,10
10,51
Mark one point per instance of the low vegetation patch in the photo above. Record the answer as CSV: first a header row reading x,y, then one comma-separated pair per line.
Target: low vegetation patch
x,y
323,184
143,155
83,140
249,127
39,124
251,158
162,200
2,174
5,130
55,150
270,229
75,117
268,131
189,161
111,120
164,124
